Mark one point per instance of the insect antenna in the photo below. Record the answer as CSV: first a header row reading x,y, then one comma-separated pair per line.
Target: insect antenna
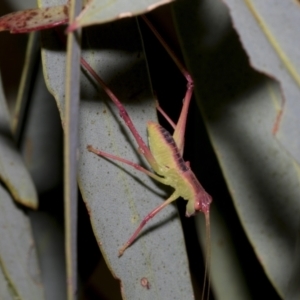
x,y
206,282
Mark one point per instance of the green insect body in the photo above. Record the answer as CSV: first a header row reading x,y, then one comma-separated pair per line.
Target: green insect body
x,y
175,171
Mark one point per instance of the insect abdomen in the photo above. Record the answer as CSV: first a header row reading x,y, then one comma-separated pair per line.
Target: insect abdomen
x,y
164,148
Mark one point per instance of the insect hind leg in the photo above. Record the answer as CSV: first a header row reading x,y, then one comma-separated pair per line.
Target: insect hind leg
x,y
179,129
156,210
144,150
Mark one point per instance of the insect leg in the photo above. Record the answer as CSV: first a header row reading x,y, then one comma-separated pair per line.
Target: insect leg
x,y
179,131
143,148
176,60
156,210
164,114
125,161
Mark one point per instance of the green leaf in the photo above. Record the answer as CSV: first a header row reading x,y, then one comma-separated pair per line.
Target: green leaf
x,y
5,289
240,107
18,256
34,19
117,197
98,11
265,28
12,169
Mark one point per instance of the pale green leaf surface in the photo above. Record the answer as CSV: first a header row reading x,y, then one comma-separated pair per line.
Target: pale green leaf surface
x,y
12,169
6,292
99,11
270,34
118,197
239,109
18,257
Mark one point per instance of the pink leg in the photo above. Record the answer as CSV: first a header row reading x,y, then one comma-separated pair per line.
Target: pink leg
x,y
179,131
124,115
173,197
178,63
125,161
165,115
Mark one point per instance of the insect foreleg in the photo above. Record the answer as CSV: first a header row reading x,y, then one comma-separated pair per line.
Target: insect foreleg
x,y
156,210
125,161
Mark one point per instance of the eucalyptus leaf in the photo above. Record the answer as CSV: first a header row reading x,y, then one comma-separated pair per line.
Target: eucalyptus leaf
x,y
270,36
99,11
34,19
117,197
12,169
6,292
18,255
239,107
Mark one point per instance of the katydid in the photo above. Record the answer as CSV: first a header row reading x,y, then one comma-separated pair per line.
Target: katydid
x,y
164,155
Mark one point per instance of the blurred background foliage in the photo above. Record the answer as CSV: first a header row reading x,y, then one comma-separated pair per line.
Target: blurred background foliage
x,y
252,174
